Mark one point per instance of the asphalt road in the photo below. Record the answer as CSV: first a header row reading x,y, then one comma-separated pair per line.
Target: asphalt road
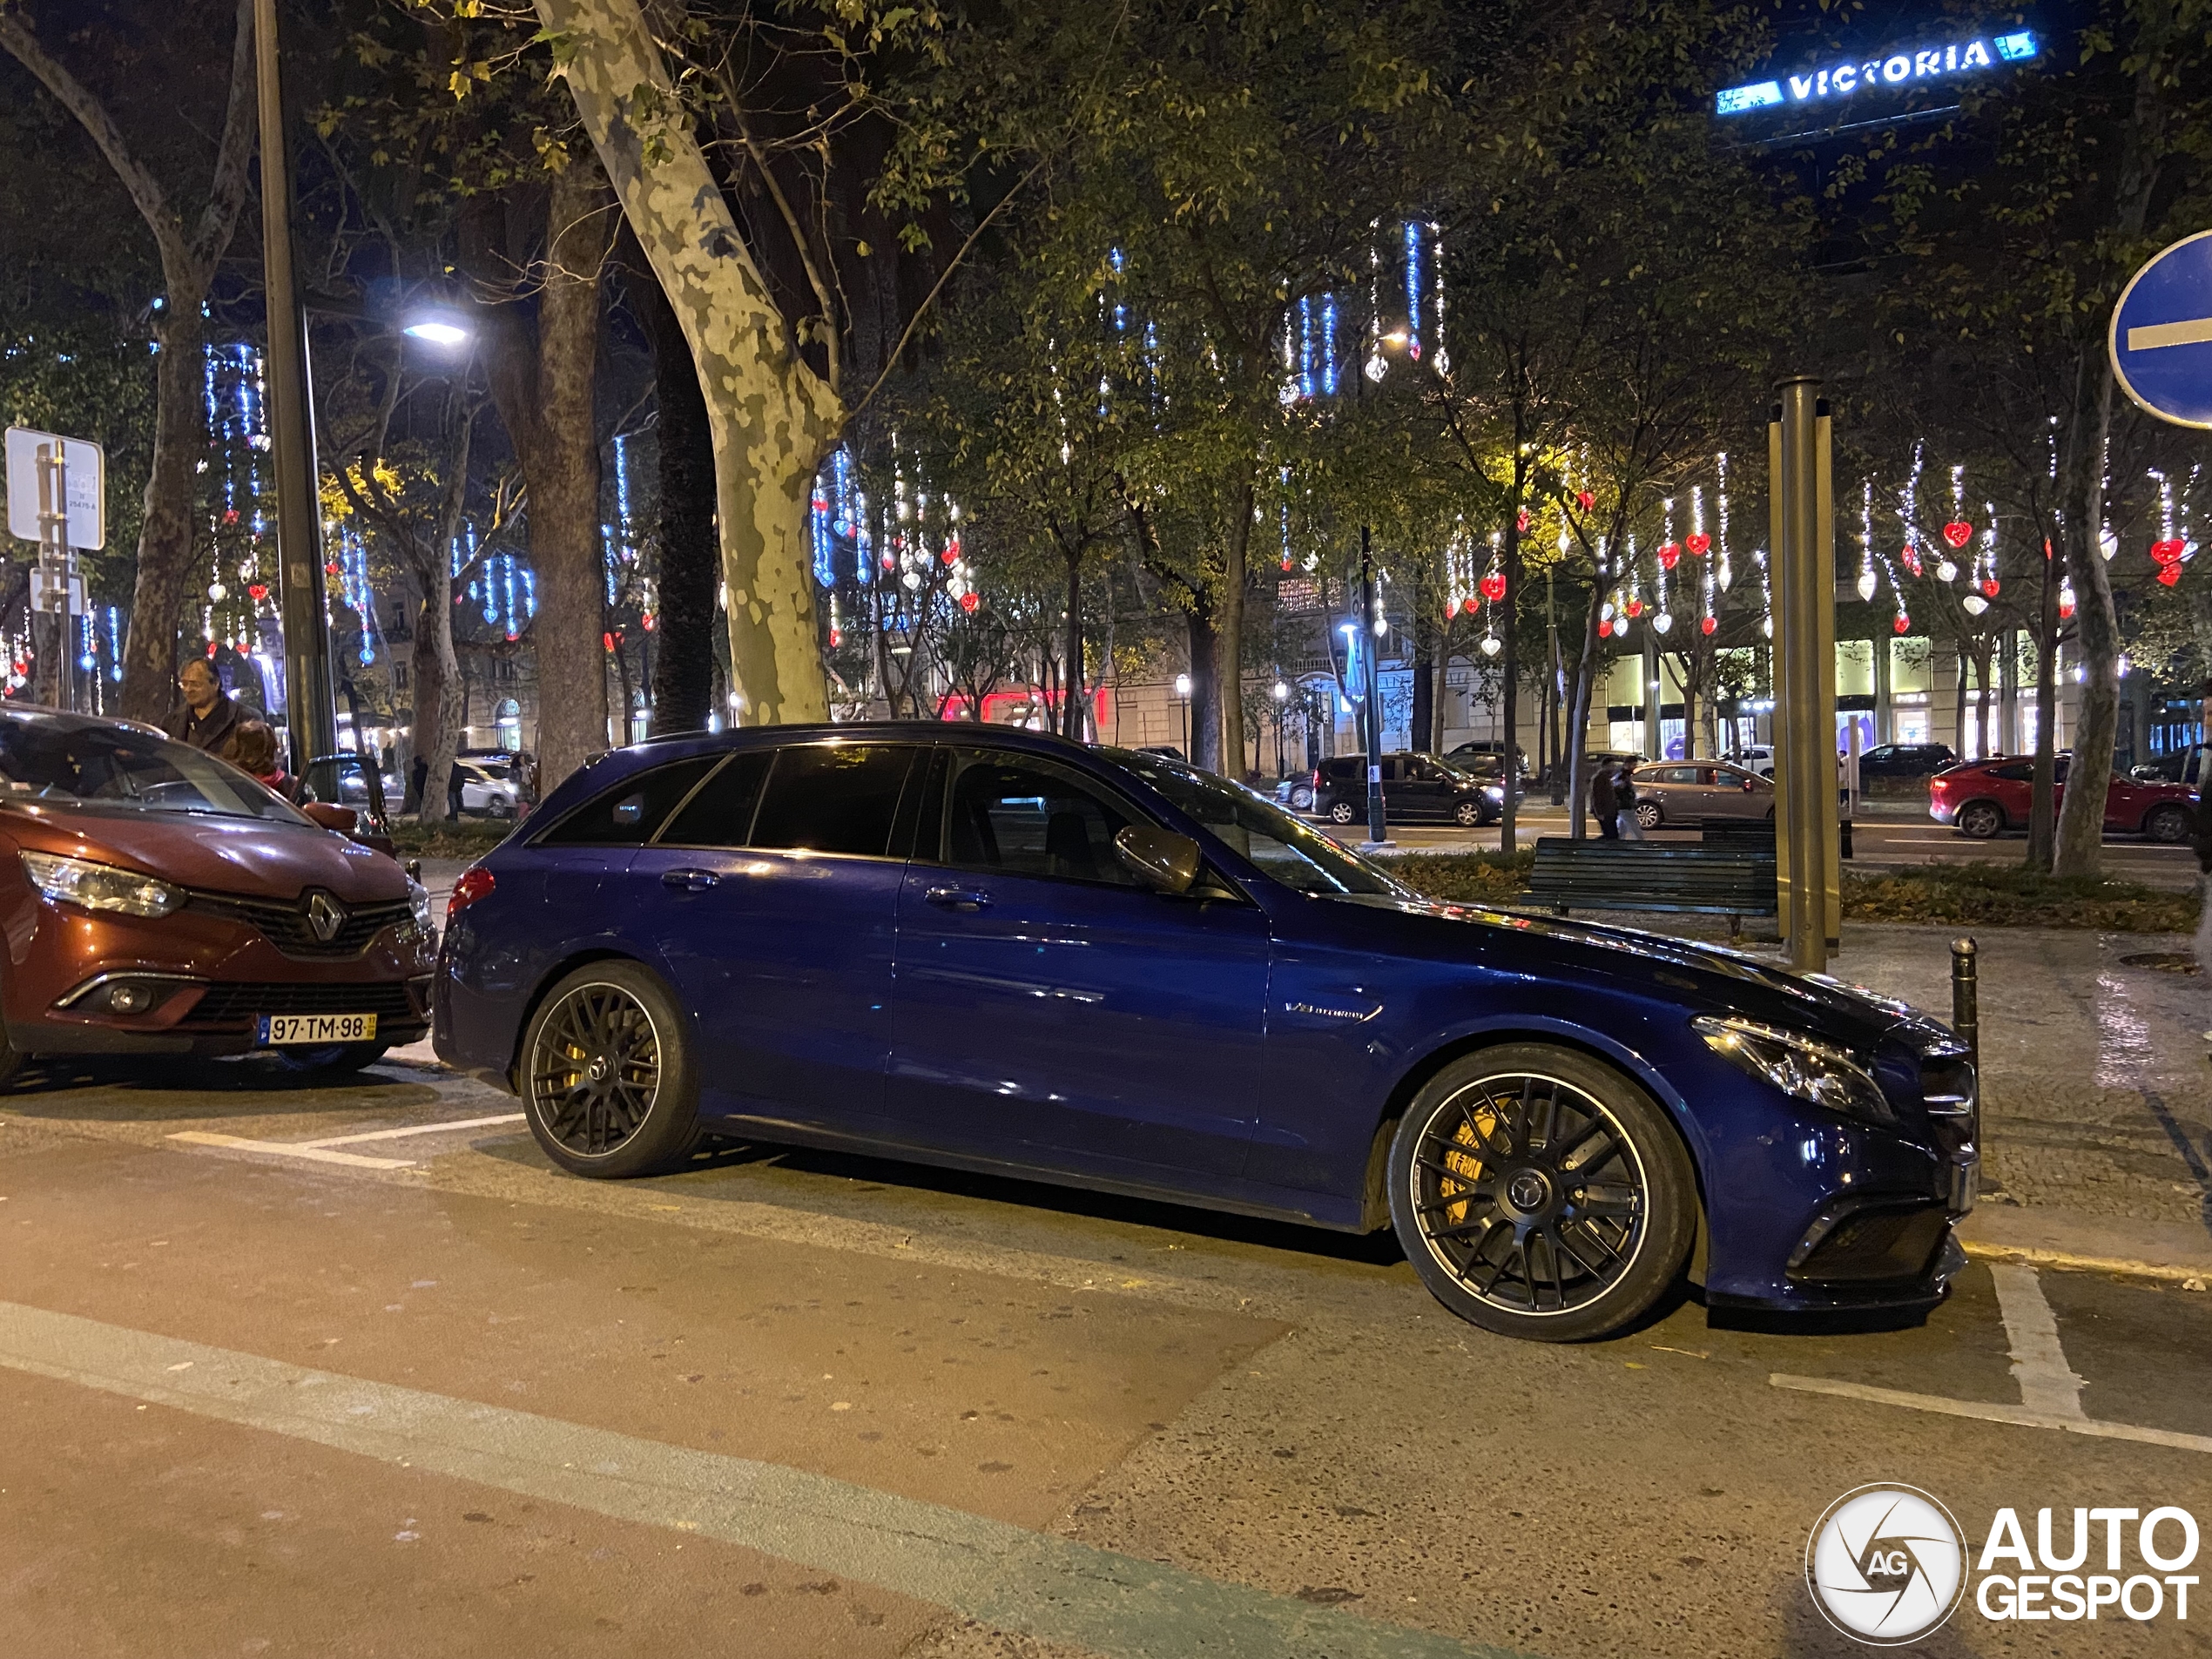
x,y
351,1369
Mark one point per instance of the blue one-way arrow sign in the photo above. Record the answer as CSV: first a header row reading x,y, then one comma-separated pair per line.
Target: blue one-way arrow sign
x,y
2162,333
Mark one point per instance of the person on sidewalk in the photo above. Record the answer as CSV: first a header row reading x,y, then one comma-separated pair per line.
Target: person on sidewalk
x,y
1605,805
210,718
257,753
1624,802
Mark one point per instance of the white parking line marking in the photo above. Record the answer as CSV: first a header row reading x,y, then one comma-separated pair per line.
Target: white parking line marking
x,y
321,1152
1989,1413
313,1154
1053,1589
415,1128
2048,1385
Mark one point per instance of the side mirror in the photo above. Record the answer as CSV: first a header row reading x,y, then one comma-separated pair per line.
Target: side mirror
x,y
1165,862
344,819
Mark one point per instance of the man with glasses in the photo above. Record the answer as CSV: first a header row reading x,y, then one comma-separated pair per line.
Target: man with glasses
x,y
210,717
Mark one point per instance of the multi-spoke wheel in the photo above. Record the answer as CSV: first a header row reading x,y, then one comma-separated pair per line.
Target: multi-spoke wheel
x,y
1980,820
1539,1193
1342,811
606,1078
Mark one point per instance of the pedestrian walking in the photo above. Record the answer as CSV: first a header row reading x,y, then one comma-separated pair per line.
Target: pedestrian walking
x,y
1605,805
1624,802
210,718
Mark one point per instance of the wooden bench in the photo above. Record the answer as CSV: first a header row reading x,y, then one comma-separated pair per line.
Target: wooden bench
x,y
1732,878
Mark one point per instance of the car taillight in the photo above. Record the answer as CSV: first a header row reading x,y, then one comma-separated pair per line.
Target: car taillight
x,y
476,883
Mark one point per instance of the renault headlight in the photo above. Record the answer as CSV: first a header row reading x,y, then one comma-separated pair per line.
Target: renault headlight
x,y
99,887
1801,1067
419,896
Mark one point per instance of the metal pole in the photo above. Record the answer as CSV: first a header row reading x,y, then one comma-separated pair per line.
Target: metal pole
x,y
1370,647
1805,675
1654,742
1966,1005
311,711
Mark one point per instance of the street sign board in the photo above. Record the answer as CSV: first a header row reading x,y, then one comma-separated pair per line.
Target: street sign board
x,y
87,467
2160,338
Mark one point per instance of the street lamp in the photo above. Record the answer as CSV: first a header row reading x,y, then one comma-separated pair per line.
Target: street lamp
x,y
1182,690
1281,696
439,329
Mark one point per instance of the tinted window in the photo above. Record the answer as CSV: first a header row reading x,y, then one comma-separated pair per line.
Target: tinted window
x,y
2014,774
1032,818
627,813
720,815
832,798
1293,852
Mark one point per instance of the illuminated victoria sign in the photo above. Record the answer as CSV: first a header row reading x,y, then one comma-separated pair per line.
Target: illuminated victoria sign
x,y
1892,71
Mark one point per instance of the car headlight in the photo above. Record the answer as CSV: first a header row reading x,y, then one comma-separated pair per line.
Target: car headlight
x,y
1801,1067
100,887
419,896
1496,792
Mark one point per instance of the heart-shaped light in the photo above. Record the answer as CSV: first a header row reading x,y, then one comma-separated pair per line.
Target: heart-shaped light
x,y
1604,628
1989,588
1635,607
1286,561
216,591
2168,552
1866,585
2169,574
2066,603
1521,521
1975,605
1663,622
1699,544
1493,586
1668,553
2107,544
1912,557
260,591
1707,625
1584,500
1946,571
1958,532
1902,623
970,601
1492,645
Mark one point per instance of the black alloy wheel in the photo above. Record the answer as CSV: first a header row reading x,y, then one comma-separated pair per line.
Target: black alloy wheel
x,y
1540,1194
1980,820
2168,824
606,1075
1467,814
1342,812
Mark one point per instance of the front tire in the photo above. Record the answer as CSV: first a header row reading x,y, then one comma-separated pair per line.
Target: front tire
x,y
1981,820
1540,1194
608,1081
1467,815
2167,823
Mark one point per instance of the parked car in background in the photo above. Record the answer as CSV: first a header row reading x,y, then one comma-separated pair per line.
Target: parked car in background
x,y
159,901
1905,760
1417,788
2180,766
1296,792
1984,798
488,787
1756,759
998,951
1678,793
348,780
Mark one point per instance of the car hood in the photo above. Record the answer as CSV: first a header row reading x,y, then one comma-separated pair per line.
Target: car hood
x,y
241,855
1703,978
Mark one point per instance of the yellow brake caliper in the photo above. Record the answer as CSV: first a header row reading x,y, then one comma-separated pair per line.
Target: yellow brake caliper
x,y
1466,1165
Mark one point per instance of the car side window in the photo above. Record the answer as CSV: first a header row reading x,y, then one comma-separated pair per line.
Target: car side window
x,y
832,798
627,813
1029,817
720,812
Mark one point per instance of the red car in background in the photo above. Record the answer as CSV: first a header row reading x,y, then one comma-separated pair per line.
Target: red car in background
x,y
156,902
1985,798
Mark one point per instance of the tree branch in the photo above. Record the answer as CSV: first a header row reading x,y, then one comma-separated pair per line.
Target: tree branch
x,y
226,191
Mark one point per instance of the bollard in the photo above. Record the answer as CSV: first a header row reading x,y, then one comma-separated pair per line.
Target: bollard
x,y
1965,1011
415,869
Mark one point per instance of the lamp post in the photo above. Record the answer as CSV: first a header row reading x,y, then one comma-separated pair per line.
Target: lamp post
x,y
1378,832
1182,690
1281,696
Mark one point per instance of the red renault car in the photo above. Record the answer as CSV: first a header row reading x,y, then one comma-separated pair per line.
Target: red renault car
x,y
1985,798
158,901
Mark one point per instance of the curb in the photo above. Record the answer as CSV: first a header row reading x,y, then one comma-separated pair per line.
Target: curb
x,y
2168,1252
2189,1278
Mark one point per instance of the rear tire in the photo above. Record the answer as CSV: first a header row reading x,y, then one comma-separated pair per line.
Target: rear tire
x,y
1980,820
1540,1194
608,1080
1341,812
1649,815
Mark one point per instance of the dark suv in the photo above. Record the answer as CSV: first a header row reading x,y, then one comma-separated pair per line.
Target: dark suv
x,y
1416,788
1905,760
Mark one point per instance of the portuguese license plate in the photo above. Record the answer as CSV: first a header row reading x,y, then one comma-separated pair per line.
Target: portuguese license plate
x,y
286,1031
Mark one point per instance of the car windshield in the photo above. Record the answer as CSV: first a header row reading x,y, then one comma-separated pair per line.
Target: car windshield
x,y
1290,850
90,763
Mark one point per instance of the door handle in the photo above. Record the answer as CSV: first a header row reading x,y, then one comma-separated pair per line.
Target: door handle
x,y
968,899
690,880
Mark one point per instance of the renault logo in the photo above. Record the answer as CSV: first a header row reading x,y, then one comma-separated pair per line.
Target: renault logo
x,y
325,915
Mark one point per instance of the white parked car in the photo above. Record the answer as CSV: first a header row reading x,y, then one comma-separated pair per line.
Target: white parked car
x,y
1758,759
487,788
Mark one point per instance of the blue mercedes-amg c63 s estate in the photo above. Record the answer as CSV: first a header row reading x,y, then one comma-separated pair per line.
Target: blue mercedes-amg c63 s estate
x,y
997,950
